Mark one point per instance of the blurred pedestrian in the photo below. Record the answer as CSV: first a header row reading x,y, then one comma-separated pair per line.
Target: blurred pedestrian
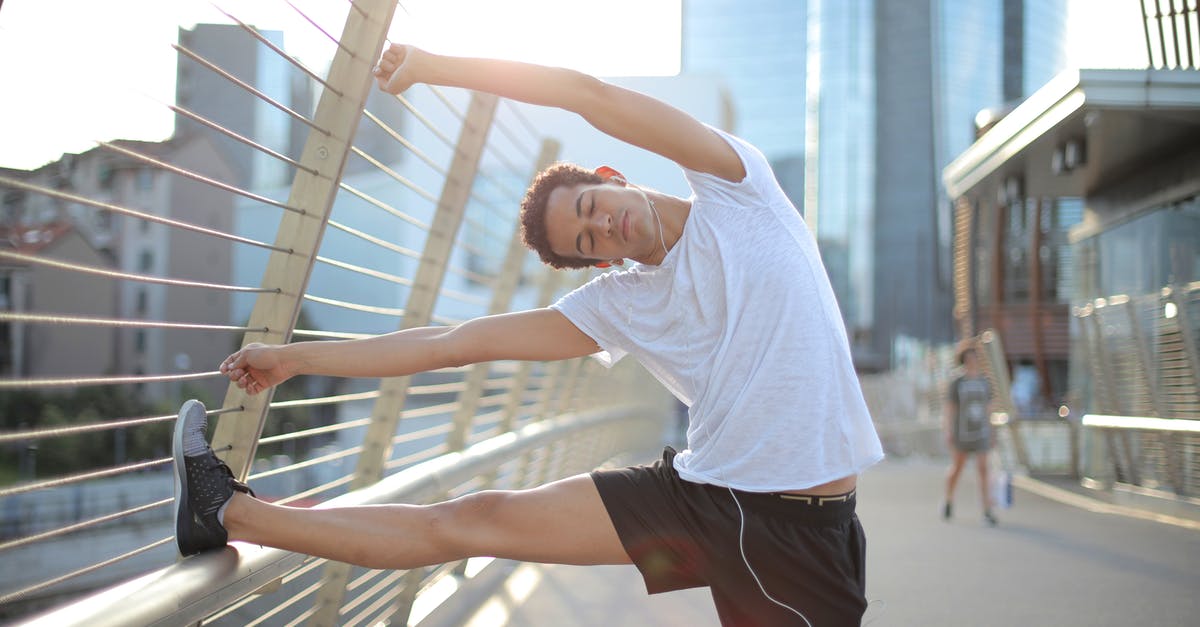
x,y
968,428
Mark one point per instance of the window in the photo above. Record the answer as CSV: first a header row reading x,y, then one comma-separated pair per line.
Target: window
x,y
105,175
146,261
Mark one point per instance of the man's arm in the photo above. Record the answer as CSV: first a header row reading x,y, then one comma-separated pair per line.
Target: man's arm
x,y
539,334
624,114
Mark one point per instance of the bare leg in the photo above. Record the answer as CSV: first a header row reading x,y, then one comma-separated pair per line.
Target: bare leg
x,y
562,522
981,462
958,459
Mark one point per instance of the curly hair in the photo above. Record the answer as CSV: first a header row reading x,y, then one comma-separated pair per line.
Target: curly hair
x,y
533,211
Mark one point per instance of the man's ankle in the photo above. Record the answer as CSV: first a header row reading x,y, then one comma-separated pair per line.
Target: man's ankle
x,y
232,513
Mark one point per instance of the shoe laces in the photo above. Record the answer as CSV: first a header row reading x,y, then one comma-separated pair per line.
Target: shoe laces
x,y
216,463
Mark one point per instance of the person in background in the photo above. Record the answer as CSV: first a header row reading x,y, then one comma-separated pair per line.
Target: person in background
x,y
968,428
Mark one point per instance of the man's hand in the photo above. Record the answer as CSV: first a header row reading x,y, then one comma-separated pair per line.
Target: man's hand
x,y
256,367
394,72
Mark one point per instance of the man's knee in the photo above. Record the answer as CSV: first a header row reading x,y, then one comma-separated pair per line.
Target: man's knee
x,y
474,521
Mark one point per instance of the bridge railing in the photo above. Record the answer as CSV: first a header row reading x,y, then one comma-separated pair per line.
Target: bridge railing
x,y
133,268
1142,355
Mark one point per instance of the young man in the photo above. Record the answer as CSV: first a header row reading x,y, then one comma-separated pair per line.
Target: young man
x,y
728,306
968,429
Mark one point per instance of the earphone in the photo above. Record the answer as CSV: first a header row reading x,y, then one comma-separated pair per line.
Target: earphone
x,y
612,174
746,561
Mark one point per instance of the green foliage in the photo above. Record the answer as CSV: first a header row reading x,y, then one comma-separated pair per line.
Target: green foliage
x,y
24,410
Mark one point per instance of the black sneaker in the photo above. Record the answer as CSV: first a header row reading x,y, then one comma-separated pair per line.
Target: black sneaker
x,y
989,518
947,511
203,484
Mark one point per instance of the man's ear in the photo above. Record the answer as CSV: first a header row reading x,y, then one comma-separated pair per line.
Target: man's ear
x,y
610,175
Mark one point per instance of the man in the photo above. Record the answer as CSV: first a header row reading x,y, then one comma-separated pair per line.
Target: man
x,y
968,429
728,306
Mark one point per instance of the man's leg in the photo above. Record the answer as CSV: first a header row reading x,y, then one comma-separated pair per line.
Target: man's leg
x,y
565,521
562,522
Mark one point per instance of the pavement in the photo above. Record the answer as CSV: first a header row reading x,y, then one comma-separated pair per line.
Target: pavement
x,y
1058,557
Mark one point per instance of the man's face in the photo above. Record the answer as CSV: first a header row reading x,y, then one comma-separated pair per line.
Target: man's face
x,y
603,222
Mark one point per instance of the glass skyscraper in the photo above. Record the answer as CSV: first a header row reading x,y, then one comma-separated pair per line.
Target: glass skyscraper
x,y
870,100
758,49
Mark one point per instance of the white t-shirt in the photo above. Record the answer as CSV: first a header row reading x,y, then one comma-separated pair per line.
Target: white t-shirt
x,y
740,323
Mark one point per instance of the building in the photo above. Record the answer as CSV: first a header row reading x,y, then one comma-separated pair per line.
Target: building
x,y
982,55
39,350
839,155
279,125
859,104
126,176
1118,299
202,91
758,50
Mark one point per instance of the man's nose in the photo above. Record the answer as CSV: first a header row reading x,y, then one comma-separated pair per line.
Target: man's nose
x,y
602,222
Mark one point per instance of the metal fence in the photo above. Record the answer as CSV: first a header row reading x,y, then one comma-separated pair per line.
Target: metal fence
x,y
1172,32
123,265
1143,359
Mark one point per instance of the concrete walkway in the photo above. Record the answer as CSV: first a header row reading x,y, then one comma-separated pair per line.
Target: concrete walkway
x,y
1049,562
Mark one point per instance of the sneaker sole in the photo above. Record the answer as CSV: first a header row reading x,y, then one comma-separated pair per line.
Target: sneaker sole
x,y
181,494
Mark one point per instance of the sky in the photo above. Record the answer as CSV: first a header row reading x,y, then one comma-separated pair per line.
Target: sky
x,y
73,72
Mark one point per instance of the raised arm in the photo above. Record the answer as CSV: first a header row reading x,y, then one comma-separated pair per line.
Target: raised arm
x,y
536,335
627,115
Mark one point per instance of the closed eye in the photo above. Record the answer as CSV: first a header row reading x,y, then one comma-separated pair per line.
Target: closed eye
x,y
580,213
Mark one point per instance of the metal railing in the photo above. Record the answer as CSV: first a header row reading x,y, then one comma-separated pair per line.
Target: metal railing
x,y
133,268
1155,453
1172,31
203,587
1143,359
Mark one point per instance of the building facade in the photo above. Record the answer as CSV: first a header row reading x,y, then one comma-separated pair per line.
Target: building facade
x,y
1106,319
123,177
938,64
859,104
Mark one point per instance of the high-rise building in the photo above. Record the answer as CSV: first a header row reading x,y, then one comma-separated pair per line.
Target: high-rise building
x,y
870,100
938,63
204,92
758,50
839,155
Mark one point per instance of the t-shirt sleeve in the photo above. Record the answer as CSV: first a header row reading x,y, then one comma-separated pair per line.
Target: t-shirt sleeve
x,y
583,307
755,190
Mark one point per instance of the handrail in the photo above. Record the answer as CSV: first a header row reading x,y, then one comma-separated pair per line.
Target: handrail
x,y
192,589
1141,423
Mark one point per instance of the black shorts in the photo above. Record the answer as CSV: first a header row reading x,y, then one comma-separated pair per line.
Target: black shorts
x,y
810,556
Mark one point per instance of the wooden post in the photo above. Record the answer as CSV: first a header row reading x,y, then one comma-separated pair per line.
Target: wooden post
x,y
964,311
997,365
377,444
506,285
236,436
